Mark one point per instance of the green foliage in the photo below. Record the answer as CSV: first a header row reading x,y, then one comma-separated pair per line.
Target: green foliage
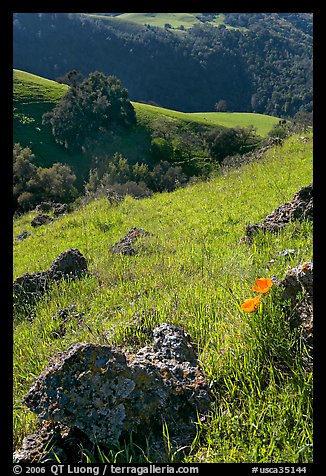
x,y
185,133
95,105
32,88
158,118
167,178
264,60
221,106
32,184
55,183
72,78
137,180
226,142
161,149
193,273
165,20
278,131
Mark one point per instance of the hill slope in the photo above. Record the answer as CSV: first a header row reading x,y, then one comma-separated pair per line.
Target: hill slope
x,y
262,64
165,20
33,96
192,272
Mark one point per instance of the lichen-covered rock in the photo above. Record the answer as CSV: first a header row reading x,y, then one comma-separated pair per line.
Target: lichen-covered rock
x,y
22,236
41,220
298,291
48,206
33,446
298,280
172,342
45,206
113,197
52,441
60,209
107,394
69,263
299,208
125,245
28,287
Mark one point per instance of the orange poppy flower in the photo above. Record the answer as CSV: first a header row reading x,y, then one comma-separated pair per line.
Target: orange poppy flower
x,y
251,304
263,285
305,267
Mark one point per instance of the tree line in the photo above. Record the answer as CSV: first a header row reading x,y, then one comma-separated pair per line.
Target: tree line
x,y
97,105
265,66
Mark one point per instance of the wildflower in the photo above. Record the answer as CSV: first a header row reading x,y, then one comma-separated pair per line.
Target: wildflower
x,y
306,267
251,304
263,285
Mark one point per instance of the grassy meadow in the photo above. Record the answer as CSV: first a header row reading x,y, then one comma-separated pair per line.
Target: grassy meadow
x,y
192,272
187,20
262,122
30,88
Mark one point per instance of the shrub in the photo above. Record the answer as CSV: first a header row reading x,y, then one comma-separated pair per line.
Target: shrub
x,y
223,142
32,184
167,178
136,190
161,149
278,131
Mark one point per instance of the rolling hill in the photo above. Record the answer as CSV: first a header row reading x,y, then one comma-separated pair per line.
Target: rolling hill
x,y
165,20
255,62
33,96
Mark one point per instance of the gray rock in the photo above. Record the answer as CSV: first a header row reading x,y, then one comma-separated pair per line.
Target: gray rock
x,y
287,252
125,245
107,394
22,236
60,209
41,220
113,197
69,263
34,446
298,291
45,206
57,208
299,208
26,288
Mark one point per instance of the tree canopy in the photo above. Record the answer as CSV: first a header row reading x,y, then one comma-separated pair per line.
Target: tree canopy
x,y
96,104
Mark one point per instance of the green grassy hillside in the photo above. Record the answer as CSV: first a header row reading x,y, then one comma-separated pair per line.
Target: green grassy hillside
x,y
262,122
29,88
33,96
190,272
161,19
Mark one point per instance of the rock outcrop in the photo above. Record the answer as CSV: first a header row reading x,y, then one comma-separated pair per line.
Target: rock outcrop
x,y
41,220
125,245
22,236
107,394
70,263
299,208
298,291
57,208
